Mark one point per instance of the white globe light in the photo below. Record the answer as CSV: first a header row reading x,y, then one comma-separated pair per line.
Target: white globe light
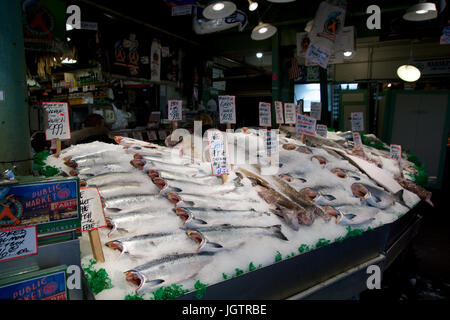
x,y
263,30
253,6
259,55
218,6
408,73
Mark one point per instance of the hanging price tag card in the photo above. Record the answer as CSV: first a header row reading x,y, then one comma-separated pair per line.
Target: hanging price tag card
x,y
218,151
227,109
58,127
175,110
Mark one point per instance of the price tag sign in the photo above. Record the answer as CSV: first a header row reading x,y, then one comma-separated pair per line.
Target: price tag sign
x,y
316,110
357,121
58,127
218,151
290,113
175,110
305,125
279,112
17,242
227,109
271,142
92,214
321,130
395,152
265,114
357,140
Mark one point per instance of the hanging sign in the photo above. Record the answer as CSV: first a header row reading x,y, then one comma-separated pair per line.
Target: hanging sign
x,y
395,152
92,214
270,142
316,110
218,151
305,125
302,44
321,130
58,127
279,119
18,242
265,114
357,119
175,110
290,113
318,56
357,140
201,25
227,109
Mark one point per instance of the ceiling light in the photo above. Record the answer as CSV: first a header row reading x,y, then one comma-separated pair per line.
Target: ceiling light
x,y
263,31
259,55
389,85
68,27
219,9
408,73
421,12
348,53
69,61
252,5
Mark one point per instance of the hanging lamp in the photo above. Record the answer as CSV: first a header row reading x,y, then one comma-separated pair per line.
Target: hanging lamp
x,y
218,9
421,12
263,31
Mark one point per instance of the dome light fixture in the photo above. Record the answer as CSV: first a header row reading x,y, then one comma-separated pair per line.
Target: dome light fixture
x,y
259,55
348,54
252,5
421,12
408,73
219,9
263,31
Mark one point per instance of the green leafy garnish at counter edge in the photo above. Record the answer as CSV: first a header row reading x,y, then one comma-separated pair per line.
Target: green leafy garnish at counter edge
x,y
98,279
201,288
134,297
40,166
168,293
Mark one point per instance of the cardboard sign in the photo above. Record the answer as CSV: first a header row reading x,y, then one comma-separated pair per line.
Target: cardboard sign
x,y
18,242
279,119
357,140
395,152
305,125
218,151
357,119
175,110
227,109
58,124
270,142
322,130
265,114
316,110
91,208
290,113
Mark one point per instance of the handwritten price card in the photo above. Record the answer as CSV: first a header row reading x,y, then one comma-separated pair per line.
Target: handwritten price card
x,y
316,110
92,214
227,109
290,113
279,112
175,111
18,242
357,121
395,152
58,127
306,125
321,130
265,115
218,151
357,140
271,142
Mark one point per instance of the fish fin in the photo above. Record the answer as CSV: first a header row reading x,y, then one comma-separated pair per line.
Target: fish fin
x,y
184,203
278,233
192,222
210,247
113,210
349,216
329,197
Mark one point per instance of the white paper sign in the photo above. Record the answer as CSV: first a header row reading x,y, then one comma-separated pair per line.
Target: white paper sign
x,y
357,121
265,114
290,113
227,109
92,214
305,125
218,151
18,242
270,142
321,130
175,110
357,140
316,110
318,56
58,127
279,112
395,152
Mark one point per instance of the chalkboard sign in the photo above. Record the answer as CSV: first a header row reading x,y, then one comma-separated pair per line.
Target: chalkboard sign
x,y
290,113
18,242
218,151
175,110
279,112
265,114
58,127
306,125
227,109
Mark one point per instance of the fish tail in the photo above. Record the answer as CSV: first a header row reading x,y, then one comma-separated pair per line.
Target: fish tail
x,y
277,232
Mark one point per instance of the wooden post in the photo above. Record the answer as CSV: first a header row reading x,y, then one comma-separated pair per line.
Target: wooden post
x,y
174,125
224,178
228,126
58,146
96,245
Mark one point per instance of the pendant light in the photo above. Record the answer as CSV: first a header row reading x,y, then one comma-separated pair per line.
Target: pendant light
x,y
252,5
409,72
219,9
263,31
421,12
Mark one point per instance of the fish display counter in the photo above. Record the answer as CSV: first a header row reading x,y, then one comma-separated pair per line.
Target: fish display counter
x,y
313,215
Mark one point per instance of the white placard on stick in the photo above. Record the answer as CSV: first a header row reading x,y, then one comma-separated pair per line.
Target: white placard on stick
x,y
322,130
395,152
290,113
18,242
357,119
265,114
227,109
218,151
305,125
357,140
279,112
271,142
316,110
175,110
92,214
58,124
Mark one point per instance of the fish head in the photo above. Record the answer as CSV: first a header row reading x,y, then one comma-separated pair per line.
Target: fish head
x,y
71,164
73,173
360,191
160,183
320,159
137,156
118,139
339,173
309,194
197,237
172,197
183,213
83,183
116,245
152,174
